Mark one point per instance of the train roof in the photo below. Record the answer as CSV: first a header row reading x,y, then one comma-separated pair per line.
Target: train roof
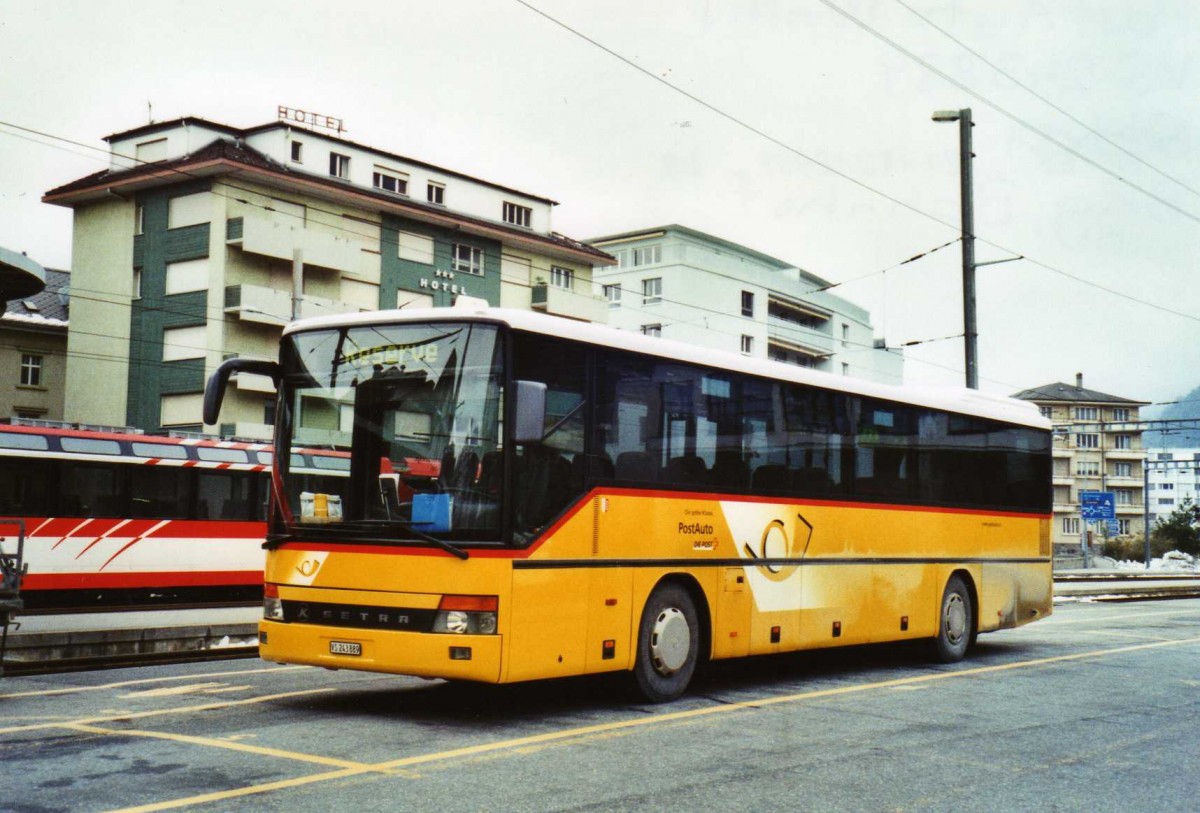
x,y
950,399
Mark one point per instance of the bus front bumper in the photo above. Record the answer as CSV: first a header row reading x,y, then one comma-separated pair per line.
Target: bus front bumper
x,y
422,654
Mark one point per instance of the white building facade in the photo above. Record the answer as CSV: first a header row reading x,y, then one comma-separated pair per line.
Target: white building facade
x,y
1173,477
693,287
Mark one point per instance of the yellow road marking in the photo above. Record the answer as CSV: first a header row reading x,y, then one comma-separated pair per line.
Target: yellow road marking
x,y
120,717
170,691
144,681
230,745
518,743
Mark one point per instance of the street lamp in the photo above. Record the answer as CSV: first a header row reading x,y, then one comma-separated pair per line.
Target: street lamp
x,y
970,332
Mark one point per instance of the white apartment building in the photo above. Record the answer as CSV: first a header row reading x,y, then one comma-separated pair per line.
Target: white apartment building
x,y
1173,477
694,287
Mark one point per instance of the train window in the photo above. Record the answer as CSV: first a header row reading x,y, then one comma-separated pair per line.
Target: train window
x,y
222,455
90,446
91,491
15,440
160,450
24,487
266,458
331,463
225,495
159,492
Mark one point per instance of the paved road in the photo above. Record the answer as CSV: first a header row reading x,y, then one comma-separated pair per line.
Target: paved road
x,y
1092,709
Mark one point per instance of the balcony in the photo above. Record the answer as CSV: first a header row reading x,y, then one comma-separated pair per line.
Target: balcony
x,y
799,339
271,306
260,235
562,302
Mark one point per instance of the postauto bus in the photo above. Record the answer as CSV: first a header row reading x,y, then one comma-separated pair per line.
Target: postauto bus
x,y
530,497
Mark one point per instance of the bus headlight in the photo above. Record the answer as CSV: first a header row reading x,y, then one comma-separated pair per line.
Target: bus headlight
x,y
272,605
469,615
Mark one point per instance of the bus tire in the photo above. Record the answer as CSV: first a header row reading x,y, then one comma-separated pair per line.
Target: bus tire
x,y
668,644
956,622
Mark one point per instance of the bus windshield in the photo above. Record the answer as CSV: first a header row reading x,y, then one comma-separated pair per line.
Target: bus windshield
x,y
392,432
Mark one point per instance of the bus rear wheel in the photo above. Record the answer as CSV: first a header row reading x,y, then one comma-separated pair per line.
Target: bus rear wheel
x,y
668,644
956,622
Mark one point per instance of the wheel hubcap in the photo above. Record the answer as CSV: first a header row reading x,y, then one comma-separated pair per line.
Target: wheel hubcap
x,y
670,641
955,619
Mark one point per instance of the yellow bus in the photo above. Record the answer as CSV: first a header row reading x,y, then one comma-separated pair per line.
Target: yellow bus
x,y
506,496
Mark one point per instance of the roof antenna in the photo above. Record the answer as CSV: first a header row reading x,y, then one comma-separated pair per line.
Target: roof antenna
x,y
149,111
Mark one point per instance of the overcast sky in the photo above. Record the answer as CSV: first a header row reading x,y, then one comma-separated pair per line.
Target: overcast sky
x,y
846,176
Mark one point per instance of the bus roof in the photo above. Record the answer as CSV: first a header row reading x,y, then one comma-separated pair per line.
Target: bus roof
x,y
951,399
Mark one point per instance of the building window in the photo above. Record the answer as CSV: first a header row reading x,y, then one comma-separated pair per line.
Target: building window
x,y
845,335
269,411
1087,441
652,330
1123,470
1087,413
467,260
1123,527
647,255
298,152
139,219
1087,468
1123,496
389,180
1123,442
517,215
435,193
1047,412
613,294
339,165
652,291
31,370
136,293
1167,486
1070,525
1120,414
845,368
1166,500
747,344
562,277
747,304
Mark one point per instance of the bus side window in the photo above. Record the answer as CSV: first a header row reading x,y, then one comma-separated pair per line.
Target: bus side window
x,y
547,477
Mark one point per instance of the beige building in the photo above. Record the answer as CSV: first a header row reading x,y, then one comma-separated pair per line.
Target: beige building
x,y
33,351
201,240
1097,447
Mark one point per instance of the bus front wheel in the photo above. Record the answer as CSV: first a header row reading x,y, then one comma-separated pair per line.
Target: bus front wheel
x,y
956,622
668,644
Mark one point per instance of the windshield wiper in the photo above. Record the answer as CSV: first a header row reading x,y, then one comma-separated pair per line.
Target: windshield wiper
x,y
381,523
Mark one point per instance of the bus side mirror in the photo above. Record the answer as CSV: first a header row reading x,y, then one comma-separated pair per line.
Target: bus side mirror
x,y
530,424
214,391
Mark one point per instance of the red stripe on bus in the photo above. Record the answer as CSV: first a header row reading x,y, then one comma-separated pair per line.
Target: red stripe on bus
x,y
80,581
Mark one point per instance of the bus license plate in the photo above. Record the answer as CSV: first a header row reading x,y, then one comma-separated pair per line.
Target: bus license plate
x,y
345,648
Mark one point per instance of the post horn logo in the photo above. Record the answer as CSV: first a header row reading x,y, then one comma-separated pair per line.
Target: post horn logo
x,y
778,554
308,568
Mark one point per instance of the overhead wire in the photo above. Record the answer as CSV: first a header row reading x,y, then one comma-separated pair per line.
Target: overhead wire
x,y
795,151
1057,108
1005,112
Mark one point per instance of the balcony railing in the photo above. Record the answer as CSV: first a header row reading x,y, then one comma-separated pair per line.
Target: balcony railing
x,y
571,304
260,235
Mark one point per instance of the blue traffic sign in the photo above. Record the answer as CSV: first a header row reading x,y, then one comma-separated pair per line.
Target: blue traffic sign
x,y
1094,505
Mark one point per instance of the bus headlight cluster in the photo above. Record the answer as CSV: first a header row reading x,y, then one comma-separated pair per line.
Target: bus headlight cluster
x,y
272,605
466,615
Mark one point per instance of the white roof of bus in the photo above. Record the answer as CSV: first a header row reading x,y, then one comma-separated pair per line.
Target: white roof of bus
x,y
951,399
